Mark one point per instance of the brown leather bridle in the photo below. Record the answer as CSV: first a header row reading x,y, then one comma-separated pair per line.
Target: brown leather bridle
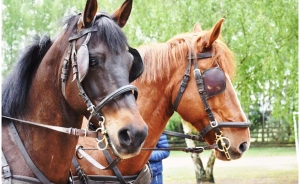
x,y
222,142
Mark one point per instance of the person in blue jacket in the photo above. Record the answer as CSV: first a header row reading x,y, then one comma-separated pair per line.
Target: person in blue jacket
x,y
156,159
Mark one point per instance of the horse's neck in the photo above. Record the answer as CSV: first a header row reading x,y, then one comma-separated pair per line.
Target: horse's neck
x,y
155,107
51,151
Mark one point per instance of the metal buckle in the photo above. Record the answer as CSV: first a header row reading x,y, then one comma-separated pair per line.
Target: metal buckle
x,y
197,70
214,124
91,109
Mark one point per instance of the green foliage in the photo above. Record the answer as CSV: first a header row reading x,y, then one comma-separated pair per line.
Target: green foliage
x,y
174,123
263,35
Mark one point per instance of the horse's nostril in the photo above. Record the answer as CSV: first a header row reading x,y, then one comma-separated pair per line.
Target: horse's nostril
x,y
130,136
125,137
243,147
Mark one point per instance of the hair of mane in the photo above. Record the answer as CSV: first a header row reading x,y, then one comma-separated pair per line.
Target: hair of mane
x,y
159,57
17,83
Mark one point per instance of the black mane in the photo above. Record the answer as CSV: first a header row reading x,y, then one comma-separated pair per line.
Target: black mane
x,y
18,81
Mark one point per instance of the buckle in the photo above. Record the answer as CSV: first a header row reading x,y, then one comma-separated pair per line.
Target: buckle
x,y
214,124
197,70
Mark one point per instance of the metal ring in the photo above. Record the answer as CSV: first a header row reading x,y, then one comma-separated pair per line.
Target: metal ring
x,y
101,123
99,141
77,153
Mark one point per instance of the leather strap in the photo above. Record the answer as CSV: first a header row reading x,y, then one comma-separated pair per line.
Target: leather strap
x,y
225,125
183,86
71,131
203,96
202,55
83,32
115,168
79,171
5,169
182,135
26,156
116,93
94,162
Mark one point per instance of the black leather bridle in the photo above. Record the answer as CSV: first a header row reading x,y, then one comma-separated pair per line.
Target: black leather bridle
x,y
222,143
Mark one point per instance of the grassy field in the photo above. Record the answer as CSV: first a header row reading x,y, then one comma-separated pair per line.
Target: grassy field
x,y
257,166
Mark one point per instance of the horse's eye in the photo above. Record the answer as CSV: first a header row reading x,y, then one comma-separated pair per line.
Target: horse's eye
x,y
93,61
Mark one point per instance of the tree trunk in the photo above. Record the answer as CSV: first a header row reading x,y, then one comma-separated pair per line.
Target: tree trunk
x,y
202,175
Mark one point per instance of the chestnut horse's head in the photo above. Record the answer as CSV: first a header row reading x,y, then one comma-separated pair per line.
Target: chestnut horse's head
x,y
209,100
103,65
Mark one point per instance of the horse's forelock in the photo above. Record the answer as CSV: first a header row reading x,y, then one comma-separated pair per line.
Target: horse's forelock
x,y
111,34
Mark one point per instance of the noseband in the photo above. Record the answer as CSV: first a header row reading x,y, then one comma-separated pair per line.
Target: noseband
x,y
223,143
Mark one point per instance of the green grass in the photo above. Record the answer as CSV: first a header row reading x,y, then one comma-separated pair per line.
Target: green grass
x,y
259,166
252,152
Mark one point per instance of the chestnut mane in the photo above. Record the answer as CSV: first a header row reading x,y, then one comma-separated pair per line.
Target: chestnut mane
x,y
159,57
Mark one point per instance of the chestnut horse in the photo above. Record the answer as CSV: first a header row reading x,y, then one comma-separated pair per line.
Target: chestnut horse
x,y
40,97
218,116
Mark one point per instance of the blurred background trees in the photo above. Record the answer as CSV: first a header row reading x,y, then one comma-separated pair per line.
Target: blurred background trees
x,y
262,34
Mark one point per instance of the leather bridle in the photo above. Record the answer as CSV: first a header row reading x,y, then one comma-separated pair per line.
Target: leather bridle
x,y
222,142
99,133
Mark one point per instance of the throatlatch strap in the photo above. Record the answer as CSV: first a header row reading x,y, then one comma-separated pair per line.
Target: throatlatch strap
x,y
26,156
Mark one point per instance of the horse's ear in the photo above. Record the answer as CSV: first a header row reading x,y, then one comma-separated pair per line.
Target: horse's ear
x,y
88,14
197,28
215,32
122,14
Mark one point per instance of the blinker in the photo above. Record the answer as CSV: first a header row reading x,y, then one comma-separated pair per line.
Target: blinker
x,y
214,81
83,62
83,59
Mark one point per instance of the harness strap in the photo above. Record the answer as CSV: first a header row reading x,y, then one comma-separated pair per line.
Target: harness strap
x,y
5,169
144,176
116,93
203,96
225,124
83,32
26,156
93,161
115,168
183,86
71,131
79,171
182,135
